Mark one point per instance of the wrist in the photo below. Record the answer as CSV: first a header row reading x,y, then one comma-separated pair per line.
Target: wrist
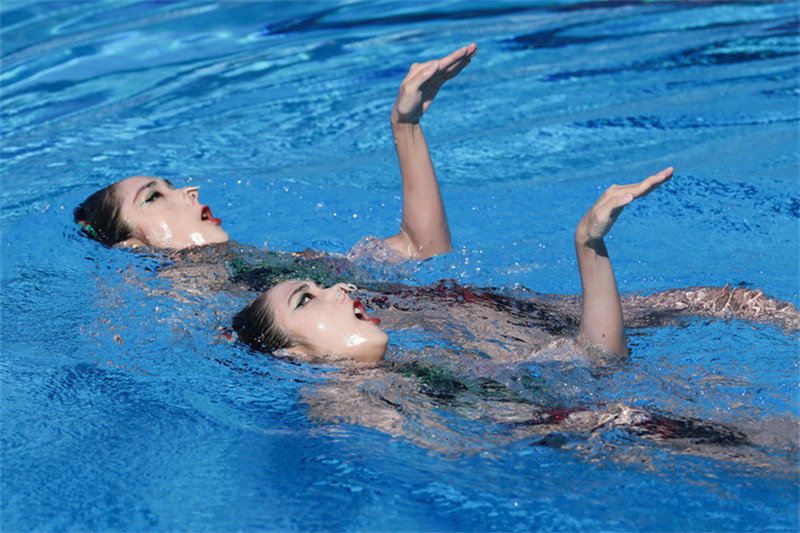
x,y
397,122
405,131
584,239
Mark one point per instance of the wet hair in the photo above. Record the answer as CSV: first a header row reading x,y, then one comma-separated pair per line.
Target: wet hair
x,y
100,219
255,325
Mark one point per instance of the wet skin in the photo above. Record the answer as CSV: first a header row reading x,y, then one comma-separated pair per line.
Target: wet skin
x,y
165,217
324,323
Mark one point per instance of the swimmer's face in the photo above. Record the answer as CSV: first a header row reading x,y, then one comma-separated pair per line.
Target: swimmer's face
x,y
326,323
165,217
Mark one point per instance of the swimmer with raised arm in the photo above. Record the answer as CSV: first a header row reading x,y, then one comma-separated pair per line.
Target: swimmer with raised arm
x,y
404,394
309,321
305,320
146,211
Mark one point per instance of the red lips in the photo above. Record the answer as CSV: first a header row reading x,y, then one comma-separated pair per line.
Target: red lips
x,y
361,313
205,214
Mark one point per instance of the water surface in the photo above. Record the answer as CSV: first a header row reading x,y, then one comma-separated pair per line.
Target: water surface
x,y
117,411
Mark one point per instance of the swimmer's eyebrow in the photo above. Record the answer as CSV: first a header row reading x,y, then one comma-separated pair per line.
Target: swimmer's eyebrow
x,y
301,288
147,186
171,186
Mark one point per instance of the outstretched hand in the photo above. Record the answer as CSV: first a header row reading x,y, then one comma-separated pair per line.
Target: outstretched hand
x,y
424,80
598,220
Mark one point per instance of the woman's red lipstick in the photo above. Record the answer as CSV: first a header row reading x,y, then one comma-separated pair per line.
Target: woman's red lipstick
x,y
205,214
361,313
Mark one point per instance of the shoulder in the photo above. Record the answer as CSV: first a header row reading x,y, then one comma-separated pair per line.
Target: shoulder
x,y
374,248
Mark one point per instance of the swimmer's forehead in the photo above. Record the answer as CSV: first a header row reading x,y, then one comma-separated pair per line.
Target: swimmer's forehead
x,y
129,188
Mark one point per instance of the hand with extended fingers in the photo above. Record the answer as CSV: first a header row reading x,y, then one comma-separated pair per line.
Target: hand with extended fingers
x,y
599,219
424,80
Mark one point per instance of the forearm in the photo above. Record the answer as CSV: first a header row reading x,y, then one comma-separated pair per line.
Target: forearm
x,y
743,303
423,226
601,310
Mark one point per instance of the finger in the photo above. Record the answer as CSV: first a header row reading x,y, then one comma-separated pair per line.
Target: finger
x,y
652,183
454,56
449,65
466,58
472,49
457,67
422,76
453,71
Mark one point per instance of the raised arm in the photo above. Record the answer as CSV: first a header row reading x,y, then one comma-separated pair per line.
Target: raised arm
x,y
601,310
423,228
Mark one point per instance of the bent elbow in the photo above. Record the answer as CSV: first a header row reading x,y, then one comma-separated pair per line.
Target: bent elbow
x,y
426,252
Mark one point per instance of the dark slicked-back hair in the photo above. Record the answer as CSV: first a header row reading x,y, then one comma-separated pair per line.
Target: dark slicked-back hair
x,y
99,217
255,325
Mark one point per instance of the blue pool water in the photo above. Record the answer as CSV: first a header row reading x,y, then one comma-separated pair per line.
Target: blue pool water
x,y
117,413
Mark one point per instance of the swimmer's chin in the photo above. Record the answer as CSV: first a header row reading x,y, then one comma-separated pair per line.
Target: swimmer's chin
x,y
371,358
197,241
369,354
378,354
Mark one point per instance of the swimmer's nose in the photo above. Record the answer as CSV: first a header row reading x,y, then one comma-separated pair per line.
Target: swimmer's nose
x,y
190,194
341,290
349,287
